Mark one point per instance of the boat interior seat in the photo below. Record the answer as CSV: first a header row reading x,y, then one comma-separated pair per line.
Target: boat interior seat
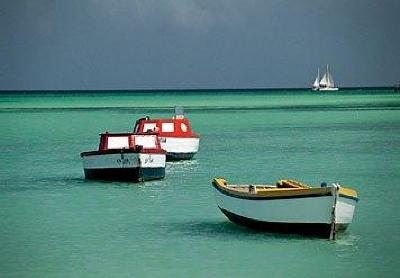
x,y
290,184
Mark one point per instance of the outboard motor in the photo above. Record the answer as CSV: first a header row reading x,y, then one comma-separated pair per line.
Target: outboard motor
x,y
323,184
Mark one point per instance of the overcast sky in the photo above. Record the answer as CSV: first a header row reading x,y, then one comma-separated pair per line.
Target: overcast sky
x,y
129,44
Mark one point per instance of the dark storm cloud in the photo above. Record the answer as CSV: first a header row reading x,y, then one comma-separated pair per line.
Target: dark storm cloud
x,y
123,44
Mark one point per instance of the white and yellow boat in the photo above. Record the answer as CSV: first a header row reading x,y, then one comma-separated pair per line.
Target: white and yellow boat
x,y
288,207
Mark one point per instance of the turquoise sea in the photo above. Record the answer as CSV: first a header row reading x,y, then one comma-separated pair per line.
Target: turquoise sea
x,y
53,223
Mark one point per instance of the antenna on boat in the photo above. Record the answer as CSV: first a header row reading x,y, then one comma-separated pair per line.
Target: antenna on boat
x,y
179,113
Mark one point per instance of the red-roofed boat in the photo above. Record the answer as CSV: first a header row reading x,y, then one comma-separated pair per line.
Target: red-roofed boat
x,y
125,157
175,135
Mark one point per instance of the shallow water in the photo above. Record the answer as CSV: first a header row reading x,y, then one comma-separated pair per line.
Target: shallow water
x,y
54,223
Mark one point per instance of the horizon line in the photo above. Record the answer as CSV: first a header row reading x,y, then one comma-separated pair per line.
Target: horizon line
x,y
190,89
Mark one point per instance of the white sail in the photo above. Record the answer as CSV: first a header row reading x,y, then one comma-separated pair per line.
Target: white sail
x,y
316,82
324,81
330,81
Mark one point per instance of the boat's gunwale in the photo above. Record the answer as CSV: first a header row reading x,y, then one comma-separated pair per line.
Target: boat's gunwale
x,y
280,193
118,151
193,135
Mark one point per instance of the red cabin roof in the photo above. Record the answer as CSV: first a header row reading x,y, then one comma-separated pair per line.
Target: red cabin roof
x,y
173,127
145,142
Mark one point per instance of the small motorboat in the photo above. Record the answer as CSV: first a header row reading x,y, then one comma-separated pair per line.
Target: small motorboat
x,y
175,135
130,157
288,207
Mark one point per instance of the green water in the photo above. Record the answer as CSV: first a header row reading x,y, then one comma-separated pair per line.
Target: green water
x,y
53,223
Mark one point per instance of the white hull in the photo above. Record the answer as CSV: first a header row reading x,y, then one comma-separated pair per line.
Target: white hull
x,y
310,210
328,89
127,166
115,160
124,160
180,144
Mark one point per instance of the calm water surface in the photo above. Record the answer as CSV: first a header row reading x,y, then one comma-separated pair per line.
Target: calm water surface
x,y
54,223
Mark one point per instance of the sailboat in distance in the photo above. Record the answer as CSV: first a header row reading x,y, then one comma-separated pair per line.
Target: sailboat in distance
x,y
326,83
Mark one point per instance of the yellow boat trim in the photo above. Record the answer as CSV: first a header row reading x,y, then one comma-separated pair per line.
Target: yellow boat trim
x,y
348,192
284,188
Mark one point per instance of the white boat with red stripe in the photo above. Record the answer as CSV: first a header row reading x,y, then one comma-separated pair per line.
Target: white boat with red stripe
x,y
130,157
175,135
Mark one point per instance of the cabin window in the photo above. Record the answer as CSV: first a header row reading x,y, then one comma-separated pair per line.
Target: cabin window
x,y
167,127
118,142
148,142
183,127
149,126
